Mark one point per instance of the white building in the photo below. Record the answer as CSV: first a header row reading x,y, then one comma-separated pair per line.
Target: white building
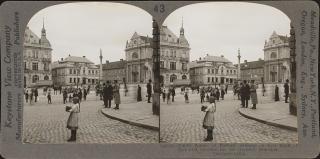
x,y
37,57
276,59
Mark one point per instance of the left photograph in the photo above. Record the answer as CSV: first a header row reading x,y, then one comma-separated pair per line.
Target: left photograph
x,y
88,75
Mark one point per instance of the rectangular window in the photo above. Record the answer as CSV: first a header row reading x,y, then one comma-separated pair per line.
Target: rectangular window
x,y
70,80
78,80
74,80
74,71
161,64
212,79
184,66
172,65
84,71
208,71
208,79
70,71
89,71
35,66
25,66
46,66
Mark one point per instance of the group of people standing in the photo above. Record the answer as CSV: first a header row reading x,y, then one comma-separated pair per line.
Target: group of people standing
x,y
111,92
248,92
168,93
217,92
31,95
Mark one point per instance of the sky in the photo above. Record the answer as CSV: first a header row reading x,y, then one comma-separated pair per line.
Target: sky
x,y
215,28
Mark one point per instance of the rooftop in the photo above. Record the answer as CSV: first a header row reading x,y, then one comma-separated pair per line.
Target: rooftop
x,y
114,65
78,59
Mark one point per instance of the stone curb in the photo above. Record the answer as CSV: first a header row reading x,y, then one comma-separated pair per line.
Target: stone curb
x,y
268,122
151,127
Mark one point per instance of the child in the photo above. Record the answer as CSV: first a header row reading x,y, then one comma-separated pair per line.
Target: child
x,y
72,122
208,121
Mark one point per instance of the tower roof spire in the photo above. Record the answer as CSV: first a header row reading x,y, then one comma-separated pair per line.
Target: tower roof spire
x,y
182,29
43,31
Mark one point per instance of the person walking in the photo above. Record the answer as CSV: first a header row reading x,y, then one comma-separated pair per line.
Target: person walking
x,y
80,95
31,96
104,92
222,93
26,95
226,90
242,95
186,96
286,91
116,94
108,94
139,97
276,94
253,94
208,121
173,93
65,96
149,90
49,96
246,93
73,120
217,94
85,93
36,95
164,94
168,96
202,95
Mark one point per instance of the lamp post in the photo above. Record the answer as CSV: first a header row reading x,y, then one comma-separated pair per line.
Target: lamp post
x,y
156,68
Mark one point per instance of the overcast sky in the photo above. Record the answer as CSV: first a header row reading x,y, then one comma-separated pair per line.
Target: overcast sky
x,y
215,28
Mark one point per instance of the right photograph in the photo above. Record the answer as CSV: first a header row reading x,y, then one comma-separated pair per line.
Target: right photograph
x,y
228,75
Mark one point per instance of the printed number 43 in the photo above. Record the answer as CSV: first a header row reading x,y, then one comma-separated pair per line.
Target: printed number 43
x,y
159,8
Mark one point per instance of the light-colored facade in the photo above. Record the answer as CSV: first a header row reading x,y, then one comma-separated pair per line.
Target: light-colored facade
x,y
277,59
37,55
75,71
174,57
114,71
212,70
253,70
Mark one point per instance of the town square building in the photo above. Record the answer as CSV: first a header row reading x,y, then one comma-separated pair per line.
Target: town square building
x,y
75,71
174,57
276,59
114,71
253,70
37,55
212,70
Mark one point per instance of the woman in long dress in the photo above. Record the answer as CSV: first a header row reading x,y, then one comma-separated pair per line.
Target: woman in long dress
x,y
116,94
73,119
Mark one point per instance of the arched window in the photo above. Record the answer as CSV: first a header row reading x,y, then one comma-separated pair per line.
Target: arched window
x,y
35,78
184,77
273,55
134,55
46,77
173,77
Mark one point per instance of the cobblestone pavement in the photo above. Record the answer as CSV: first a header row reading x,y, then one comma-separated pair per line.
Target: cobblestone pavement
x,y
182,123
46,123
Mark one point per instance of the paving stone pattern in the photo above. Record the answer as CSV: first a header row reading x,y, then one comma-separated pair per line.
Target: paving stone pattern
x,y
182,123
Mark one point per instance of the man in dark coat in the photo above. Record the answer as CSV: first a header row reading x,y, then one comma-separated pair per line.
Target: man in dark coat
x,y
36,95
84,94
246,93
276,94
65,96
149,90
107,95
139,98
80,95
173,93
241,92
286,91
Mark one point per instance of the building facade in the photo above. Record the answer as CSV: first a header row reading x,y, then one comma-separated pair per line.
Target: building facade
x,y
114,71
277,59
37,57
174,57
75,71
253,70
212,70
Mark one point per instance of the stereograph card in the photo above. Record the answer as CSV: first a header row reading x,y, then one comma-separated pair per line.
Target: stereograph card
x,y
159,79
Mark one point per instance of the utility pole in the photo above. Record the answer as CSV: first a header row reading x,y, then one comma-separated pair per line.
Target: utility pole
x,y
156,68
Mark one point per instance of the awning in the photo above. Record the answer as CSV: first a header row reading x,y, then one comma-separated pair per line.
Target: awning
x,y
43,83
181,82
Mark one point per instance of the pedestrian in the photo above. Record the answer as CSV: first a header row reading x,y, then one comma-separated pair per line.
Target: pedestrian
x,y
26,95
31,96
70,98
168,96
202,95
276,93
80,95
208,121
36,95
217,93
65,96
49,96
173,93
139,97
72,122
242,95
222,93
164,94
286,91
253,94
104,92
108,94
149,90
85,93
226,90
116,94
186,96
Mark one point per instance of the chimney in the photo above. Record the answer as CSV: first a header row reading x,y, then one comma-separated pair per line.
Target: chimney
x,y
69,54
245,61
61,59
107,61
